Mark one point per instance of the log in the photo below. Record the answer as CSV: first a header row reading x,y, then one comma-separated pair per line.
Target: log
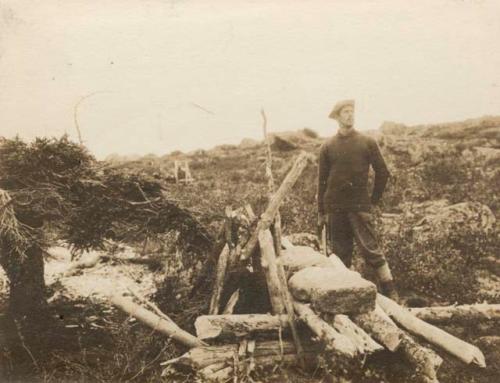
x,y
268,260
380,327
271,186
231,303
286,243
267,217
154,321
85,263
288,301
333,340
333,291
464,351
200,357
363,342
384,330
463,313
425,360
219,280
133,260
237,326
214,373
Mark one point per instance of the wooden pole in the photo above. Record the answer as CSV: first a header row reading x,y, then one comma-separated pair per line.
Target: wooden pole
x,y
466,313
267,217
268,260
363,342
380,327
219,280
278,288
333,340
271,185
231,303
425,360
154,321
464,351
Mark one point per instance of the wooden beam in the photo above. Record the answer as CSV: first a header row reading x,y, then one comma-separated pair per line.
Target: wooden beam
x,y
425,360
237,326
219,280
267,217
464,351
380,327
231,303
463,313
363,342
280,286
268,261
334,341
159,324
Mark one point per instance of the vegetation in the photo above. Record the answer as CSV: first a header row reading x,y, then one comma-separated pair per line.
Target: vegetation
x,y
54,190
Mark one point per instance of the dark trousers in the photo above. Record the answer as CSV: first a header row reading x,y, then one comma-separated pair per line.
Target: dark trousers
x,y
345,227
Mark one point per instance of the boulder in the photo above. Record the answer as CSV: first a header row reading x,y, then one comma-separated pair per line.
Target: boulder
x,y
332,290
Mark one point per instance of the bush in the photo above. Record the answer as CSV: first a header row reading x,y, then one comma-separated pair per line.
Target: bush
x,y
441,267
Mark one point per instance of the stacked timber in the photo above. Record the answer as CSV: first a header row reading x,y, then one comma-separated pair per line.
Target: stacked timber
x,y
319,308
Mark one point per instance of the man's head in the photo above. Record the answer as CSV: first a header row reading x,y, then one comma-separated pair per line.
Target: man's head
x,y
343,112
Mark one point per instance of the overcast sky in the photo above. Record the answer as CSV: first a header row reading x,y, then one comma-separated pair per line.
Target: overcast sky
x,y
152,76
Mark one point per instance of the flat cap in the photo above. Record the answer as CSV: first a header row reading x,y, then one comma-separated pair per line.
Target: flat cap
x,y
338,107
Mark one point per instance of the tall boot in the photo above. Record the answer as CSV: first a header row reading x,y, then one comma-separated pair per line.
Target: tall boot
x,y
386,282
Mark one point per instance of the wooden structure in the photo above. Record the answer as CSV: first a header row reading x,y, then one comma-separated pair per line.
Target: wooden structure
x,y
182,172
340,317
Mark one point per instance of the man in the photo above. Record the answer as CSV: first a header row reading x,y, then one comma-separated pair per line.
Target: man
x,y
343,201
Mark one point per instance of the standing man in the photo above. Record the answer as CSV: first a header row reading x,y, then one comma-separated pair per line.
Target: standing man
x,y
343,200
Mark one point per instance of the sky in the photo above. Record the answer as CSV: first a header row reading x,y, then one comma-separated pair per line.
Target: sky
x,y
151,76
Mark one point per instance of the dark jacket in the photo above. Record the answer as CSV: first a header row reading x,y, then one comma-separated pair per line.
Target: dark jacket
x,y
344,162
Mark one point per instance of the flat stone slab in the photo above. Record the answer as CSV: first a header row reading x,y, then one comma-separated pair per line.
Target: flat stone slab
x,y
333,291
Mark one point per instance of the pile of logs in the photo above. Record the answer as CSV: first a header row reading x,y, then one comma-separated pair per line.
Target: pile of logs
x,y
319,310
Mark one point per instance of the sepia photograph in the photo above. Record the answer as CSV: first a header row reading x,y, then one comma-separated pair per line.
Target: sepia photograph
x,y
250,191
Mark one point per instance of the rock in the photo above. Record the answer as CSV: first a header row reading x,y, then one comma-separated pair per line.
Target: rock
x,y
333,291
249,143
473,215
300,257
282,144
304,239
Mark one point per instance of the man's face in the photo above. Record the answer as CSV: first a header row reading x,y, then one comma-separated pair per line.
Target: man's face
x,y
346,116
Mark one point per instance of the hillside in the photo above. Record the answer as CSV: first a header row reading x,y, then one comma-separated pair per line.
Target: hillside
x,y
438,223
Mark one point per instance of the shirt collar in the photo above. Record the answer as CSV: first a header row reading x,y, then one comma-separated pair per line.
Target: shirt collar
x,y
347,133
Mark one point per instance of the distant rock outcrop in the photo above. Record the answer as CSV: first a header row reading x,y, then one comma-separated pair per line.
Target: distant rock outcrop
x,y
483,131
249,143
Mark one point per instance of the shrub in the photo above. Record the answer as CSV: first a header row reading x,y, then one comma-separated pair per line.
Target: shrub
x,y
442,267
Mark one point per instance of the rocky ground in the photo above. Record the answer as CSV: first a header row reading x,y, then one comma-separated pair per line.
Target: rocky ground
x,y
438,224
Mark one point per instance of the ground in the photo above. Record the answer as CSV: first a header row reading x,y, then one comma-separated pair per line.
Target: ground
x,y
89,341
